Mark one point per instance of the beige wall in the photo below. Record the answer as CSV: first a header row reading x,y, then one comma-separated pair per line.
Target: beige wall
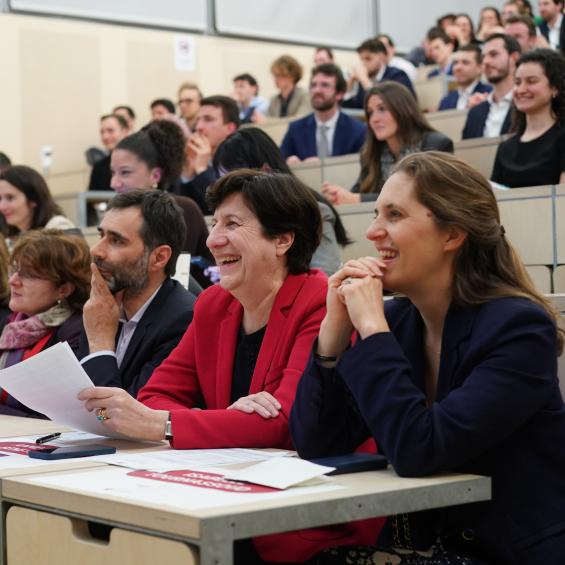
x,y
59,76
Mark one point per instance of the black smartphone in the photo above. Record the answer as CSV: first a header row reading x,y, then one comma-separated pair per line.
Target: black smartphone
x,y
70,452
353,463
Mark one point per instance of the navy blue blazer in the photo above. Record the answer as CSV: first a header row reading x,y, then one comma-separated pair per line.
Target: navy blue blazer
x,y
449,101
476,120
156,335
391,73
300,138
498,412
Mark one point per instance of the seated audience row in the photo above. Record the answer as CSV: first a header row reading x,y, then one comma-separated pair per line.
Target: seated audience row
x,y
467,302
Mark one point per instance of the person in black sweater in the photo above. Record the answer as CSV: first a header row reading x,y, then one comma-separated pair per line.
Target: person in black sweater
x,y
535,155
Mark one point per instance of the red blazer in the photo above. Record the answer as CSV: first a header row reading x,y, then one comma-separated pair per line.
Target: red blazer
x,y
201,366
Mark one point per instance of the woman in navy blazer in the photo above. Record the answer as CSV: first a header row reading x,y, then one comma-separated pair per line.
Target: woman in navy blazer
x,y
459,375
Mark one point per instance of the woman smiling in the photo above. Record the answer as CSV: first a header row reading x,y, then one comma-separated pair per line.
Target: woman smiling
x,y
460,375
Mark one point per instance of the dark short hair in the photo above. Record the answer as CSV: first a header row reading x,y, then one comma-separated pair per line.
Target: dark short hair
x,y
438,33
510,44
230,111
372,45
331,70
526,20
128,109
190,86
247,78
165,102
328,50
445,17
35,189
472,48
4,161
57,257
120,119
282,204
387,37
163,220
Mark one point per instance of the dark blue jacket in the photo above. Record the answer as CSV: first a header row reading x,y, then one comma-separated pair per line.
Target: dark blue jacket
x,y
391,73
449,101
156,335
476,120
498,412
300,139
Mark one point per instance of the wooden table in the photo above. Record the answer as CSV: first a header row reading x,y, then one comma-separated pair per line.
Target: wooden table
x,y
62,510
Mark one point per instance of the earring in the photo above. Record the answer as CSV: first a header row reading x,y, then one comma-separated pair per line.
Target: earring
x,y
154,185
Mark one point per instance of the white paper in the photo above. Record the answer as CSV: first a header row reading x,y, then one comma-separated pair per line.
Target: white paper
x,y
279,473
185,53
49,383
176,459
178,497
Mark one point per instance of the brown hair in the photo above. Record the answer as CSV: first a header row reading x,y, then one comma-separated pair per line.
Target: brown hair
x,y
412,125
289,66
282,204
4,261
58,257
487,265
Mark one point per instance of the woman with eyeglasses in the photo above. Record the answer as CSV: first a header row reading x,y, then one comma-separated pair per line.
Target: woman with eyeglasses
x,y
49,279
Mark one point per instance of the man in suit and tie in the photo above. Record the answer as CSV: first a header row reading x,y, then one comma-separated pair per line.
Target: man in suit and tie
x,y
326,132
467,72
136,313
551,12
492,117
373,69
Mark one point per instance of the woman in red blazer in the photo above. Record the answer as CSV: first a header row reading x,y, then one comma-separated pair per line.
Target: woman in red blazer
x,y
247,346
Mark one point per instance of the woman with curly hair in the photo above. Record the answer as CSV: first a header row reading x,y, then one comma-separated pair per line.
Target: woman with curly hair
x,y
153,158
535,155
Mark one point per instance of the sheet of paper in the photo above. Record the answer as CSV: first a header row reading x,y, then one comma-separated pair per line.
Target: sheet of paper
x,y
49,383
280,473
121,484
173,459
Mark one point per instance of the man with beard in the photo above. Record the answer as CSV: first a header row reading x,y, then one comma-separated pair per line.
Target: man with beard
x,y
136,313
326,132
492,117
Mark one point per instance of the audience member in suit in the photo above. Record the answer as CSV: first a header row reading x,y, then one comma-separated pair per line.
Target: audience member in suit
x,y
136,313
249,341
128,114
291,99
252,107
153,159
372,70
326,132
394,61
26,204
492,117
218,117
252,148
457,376
189,103
551,12
467,72
113,128
535,155
441,47
524,31
49,278
397,127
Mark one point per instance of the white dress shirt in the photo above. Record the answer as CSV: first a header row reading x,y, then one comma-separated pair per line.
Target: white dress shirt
x,y
497,114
